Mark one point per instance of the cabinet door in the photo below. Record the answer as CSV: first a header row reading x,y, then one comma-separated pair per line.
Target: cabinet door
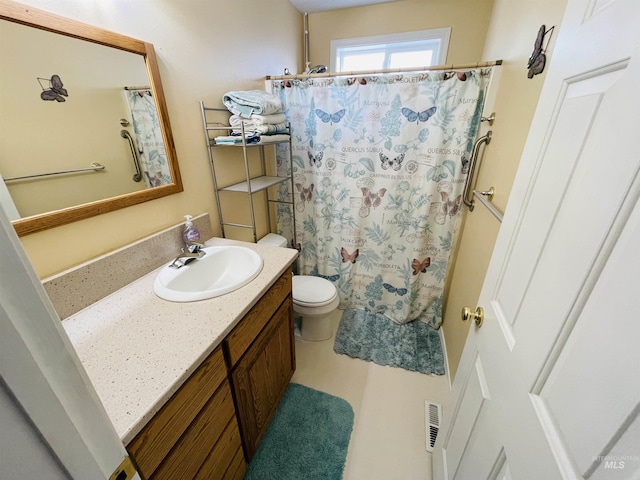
x,y
261,377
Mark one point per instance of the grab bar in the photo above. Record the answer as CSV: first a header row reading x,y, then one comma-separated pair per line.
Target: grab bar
x,y
467,195
95,166
136,163
492,209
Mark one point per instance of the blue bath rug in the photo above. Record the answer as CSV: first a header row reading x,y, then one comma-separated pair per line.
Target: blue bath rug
x,y
414,346
307,438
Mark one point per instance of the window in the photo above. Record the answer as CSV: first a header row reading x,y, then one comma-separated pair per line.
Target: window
x,y
401,50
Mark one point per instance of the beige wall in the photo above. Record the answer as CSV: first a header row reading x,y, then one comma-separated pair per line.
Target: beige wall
x,y
204,49
46,136
468,20
511,34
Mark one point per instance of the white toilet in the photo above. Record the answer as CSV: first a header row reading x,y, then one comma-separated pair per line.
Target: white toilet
x,y
313,299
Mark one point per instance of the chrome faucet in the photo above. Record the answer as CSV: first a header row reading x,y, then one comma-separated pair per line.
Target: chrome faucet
x,y
193,250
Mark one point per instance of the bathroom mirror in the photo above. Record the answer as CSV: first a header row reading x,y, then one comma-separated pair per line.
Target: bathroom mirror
x,y
75,105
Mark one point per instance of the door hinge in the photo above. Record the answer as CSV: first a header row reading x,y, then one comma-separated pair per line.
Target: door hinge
x,y
125,471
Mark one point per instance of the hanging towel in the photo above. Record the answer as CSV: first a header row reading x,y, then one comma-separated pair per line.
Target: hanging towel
x,y
252,101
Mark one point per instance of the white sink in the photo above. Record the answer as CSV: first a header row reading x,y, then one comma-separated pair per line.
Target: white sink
x,y
221,270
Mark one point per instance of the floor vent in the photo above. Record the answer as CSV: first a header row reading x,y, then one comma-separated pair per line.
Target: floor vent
x,y
432,415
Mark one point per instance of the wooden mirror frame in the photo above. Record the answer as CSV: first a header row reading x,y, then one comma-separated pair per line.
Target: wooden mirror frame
x,y
32,17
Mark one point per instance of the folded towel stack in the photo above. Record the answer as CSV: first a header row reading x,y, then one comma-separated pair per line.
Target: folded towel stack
x,y
252,101
255,112
264,124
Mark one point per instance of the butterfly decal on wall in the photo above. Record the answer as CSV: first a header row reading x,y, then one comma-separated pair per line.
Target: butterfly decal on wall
x,y
420,266
386,162
56,90
398,291
418,117
315,160
330,117
372,199
538,59
349,257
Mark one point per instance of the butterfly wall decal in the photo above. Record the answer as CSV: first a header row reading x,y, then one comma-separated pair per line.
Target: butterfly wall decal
x,y
315,160
386,162
372,199
418,117
305,192
420,266
56,90
349,257
330,117
398,291
538,58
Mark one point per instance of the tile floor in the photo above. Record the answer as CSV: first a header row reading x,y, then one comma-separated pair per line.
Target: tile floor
x,y
388,438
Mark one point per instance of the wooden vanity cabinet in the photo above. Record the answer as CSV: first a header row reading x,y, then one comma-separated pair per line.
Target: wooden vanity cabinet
x,y
195,434
211,427
260,353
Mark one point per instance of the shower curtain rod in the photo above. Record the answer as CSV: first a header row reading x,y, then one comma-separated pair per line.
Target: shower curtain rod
x,y
387,70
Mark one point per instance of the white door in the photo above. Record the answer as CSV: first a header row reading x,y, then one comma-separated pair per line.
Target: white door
x,y
549,386
51,420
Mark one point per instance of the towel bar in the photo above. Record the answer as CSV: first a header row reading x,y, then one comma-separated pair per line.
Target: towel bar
x,y
95,166
494,211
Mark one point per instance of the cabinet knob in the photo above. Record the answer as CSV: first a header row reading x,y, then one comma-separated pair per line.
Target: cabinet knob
x,y
477,316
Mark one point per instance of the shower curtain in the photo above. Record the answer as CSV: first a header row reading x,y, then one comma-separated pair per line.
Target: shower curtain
x,y
379,164
148,135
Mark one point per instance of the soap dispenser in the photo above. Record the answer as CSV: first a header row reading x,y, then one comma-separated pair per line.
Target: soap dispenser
x,y
191,233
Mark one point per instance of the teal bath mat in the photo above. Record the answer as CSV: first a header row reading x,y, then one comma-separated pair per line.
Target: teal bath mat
x,y
414,346
307,438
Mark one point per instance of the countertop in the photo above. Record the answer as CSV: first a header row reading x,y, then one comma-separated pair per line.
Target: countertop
x,y
139,349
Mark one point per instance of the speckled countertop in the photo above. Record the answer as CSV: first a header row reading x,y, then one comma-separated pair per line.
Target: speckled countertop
x,y
139,349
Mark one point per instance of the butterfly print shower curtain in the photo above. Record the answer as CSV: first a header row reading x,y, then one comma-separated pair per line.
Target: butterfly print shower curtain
x,y
378,164
148,136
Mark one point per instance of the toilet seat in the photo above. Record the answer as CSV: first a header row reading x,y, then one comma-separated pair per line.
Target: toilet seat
x,y
310,291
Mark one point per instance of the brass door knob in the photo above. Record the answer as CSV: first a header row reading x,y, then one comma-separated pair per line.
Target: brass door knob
x,y
477,316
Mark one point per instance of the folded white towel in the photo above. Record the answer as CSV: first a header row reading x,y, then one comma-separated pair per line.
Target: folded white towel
x,y
252,101
227,139
281,137
254,119
260,128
